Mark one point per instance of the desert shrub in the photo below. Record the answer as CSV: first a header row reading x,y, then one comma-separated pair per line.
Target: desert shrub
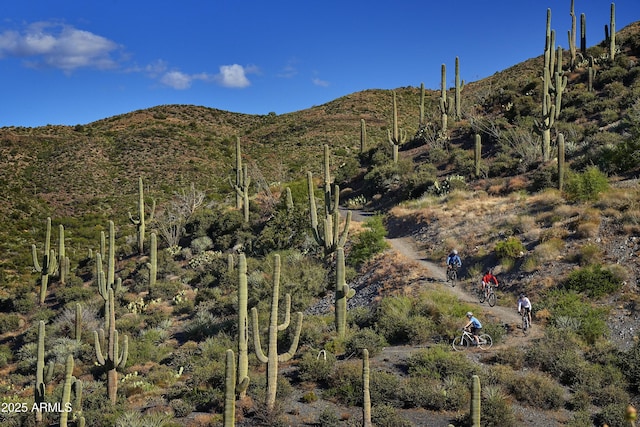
x,y
511,356
345,383
328,418
5,355
593,280
538,390
72,294
580,418
387,416
392,319
589,321
438,362
385,388
368,242
589,253
315,367
181,408
630,362
365,338
510,248
613,415
425,393
496,410
9,322
586,185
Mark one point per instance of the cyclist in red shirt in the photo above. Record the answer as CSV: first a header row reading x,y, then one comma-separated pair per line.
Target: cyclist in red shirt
x,y
488,278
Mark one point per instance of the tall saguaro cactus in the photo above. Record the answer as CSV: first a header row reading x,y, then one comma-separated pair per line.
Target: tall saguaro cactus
x,y
477,154
329,236
366,395
561,155
152,265
141,221
71,383
444,102
363,135
399,136
229,416
272,358
49,265
243,328
242,183
114,358
475,401
458,92
573,50
421,122
612,32
343,292
43,375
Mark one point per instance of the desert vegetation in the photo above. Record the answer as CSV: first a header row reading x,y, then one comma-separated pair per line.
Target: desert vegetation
x,y
187,266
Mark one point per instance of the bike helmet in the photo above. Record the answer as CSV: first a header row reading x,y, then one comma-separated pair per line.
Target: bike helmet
x,y
469,314
455,252
521,295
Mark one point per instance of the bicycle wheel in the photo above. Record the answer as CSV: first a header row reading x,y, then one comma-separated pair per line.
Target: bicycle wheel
x,y
492,298
485,342
454,278
460,343
525,325
481,295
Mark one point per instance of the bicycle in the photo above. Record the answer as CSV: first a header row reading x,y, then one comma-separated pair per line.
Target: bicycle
x,y
466,340
525,322
452,274
489,295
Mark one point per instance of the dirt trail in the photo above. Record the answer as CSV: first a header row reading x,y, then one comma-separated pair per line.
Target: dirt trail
x,y
501,314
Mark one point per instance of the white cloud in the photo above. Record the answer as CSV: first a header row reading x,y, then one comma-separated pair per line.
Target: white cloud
x,y
316,81
176,80
233,76
46,44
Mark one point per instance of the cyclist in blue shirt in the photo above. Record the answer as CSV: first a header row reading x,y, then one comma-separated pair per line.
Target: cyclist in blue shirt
x,y
453,260
475,326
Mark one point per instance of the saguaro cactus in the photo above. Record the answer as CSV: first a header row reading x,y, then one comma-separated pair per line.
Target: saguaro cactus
x,y
71,383
561,154
272,358
243,328
43,375
477,157
113,359
444,102
63,259
399,136
343,292
329,237
583,35
421,123
152,265
229,416
612,33
366,396
458,92
573,50
242,183
141,221
363,135
475,401
49,264
78,323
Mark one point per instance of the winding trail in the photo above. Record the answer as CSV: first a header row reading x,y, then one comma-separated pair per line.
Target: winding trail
x,y
501,314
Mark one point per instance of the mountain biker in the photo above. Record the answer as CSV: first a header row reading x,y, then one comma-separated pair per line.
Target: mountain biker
x,y
475,326
488,278
524,304
453,260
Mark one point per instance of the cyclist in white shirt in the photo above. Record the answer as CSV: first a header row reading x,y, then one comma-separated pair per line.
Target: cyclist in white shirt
x,y
524,304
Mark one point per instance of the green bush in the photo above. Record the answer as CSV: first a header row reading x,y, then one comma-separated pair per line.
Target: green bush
x,y
496,410
438,362
594,281
538,390
586,185
368,242
387,416
511,248
314,367
8,322
365,338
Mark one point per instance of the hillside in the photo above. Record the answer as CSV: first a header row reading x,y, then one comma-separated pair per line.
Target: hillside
x,y
573,250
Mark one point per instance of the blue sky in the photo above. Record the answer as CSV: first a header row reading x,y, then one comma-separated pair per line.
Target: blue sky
x,y
76,61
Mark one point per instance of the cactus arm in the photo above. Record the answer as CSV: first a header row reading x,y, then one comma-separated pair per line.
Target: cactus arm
x,y
99,355
287,313
256,337
294,343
